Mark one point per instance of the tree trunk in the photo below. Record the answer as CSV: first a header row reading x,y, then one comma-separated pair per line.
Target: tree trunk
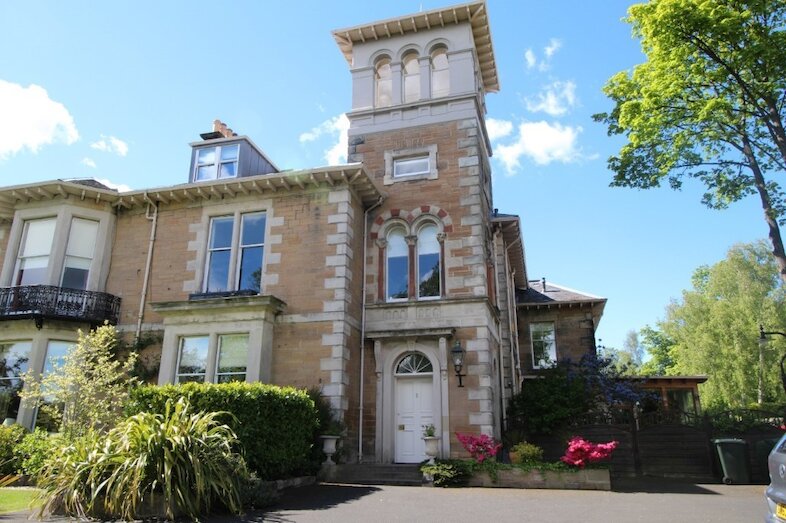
x,y
769,212
776,126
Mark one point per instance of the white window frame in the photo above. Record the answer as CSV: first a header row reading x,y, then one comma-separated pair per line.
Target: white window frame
x,y
213,354
180,342
394,158
235,249
64,215
552,353
424,224
388,297
216,163
400,162
217,372
23,243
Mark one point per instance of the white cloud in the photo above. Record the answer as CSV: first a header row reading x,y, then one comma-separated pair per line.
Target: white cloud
x,y
111,144
120,187
529,56
555,99
31,119
553,47
337,128
498,128
548,52
88,162
543,143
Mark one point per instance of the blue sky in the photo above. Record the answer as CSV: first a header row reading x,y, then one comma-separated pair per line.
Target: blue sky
x,y
117,90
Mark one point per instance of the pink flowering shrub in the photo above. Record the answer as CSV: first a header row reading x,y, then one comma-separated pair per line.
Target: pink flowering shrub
x,y
581,452
480,447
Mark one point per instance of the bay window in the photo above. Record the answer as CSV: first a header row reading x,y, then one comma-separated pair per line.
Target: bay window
x,y
216,359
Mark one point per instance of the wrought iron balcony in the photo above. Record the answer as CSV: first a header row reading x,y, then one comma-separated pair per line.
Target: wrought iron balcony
x,y
41,302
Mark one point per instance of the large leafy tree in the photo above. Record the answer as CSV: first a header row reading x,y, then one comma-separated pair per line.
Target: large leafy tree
x,y
708,103
713,329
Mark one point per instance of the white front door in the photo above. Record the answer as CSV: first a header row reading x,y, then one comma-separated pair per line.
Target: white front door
x,y
414,409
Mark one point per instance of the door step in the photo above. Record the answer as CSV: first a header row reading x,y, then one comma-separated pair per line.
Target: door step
x,y
376,474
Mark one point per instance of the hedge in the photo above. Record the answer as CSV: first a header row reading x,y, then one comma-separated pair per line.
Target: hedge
x,y
275,425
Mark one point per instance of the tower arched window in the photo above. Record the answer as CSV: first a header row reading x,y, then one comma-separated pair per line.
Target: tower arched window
x,y
429,277
397,265
384,83
411,77
440,74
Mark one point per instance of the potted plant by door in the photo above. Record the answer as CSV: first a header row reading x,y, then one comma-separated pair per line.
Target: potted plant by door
x,y
329,440
431,440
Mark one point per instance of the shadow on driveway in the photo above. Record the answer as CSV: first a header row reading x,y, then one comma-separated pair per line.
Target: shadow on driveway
x,y
304,499
652,485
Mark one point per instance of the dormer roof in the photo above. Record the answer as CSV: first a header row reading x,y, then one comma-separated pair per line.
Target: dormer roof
x,y
474,13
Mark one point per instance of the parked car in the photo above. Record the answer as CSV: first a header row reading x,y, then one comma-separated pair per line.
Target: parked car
x,y
776,492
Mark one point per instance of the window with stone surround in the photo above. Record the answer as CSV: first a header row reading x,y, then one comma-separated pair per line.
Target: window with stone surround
x,y
544,344
14,361
428,260
413,261
397,265
235,253
405,165
411,71
196,353
34,258
383,83
440,74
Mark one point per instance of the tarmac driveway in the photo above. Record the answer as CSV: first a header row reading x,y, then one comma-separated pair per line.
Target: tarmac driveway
x,y
633,501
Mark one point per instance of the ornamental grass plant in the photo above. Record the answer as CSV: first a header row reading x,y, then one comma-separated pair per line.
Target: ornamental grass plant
x,y
183,458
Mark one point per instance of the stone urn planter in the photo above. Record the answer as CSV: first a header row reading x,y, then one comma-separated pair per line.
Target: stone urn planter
x,y
432,447
329,442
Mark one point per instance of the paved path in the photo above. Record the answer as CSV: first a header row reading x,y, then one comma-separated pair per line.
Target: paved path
x,y
656,502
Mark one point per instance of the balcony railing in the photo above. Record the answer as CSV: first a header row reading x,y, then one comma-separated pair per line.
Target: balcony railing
x,y
42,302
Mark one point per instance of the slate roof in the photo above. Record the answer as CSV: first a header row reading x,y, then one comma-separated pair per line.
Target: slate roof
x,y
553,294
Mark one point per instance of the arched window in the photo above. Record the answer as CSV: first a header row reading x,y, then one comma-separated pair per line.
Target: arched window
x,y
397,266
414,363
384,83
411,78
440,75
429,281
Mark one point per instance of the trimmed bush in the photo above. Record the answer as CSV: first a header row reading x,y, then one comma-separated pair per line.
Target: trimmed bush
x,y
10,437
526,453
274,425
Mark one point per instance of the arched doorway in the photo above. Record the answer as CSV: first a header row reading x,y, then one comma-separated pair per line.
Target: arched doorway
x,y
414,405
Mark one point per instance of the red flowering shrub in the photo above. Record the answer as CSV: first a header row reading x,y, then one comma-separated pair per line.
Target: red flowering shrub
x,y
581,452
480,447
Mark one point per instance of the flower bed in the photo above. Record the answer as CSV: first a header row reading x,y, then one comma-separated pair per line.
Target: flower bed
x,y
514,477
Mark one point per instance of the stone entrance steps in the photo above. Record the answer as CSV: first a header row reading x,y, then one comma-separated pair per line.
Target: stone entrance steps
x,y
376,474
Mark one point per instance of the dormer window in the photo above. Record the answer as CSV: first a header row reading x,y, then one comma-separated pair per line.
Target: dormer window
x,y
216,162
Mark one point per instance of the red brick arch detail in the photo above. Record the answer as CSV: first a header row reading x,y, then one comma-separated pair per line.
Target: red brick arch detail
x,y
410,216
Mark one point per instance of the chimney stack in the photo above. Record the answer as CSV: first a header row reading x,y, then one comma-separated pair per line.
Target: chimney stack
x,y
221,127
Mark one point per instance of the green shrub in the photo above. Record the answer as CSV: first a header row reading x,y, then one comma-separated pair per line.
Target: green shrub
x,y
34,450
184,457
274,425
527,452
10,437
450,472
